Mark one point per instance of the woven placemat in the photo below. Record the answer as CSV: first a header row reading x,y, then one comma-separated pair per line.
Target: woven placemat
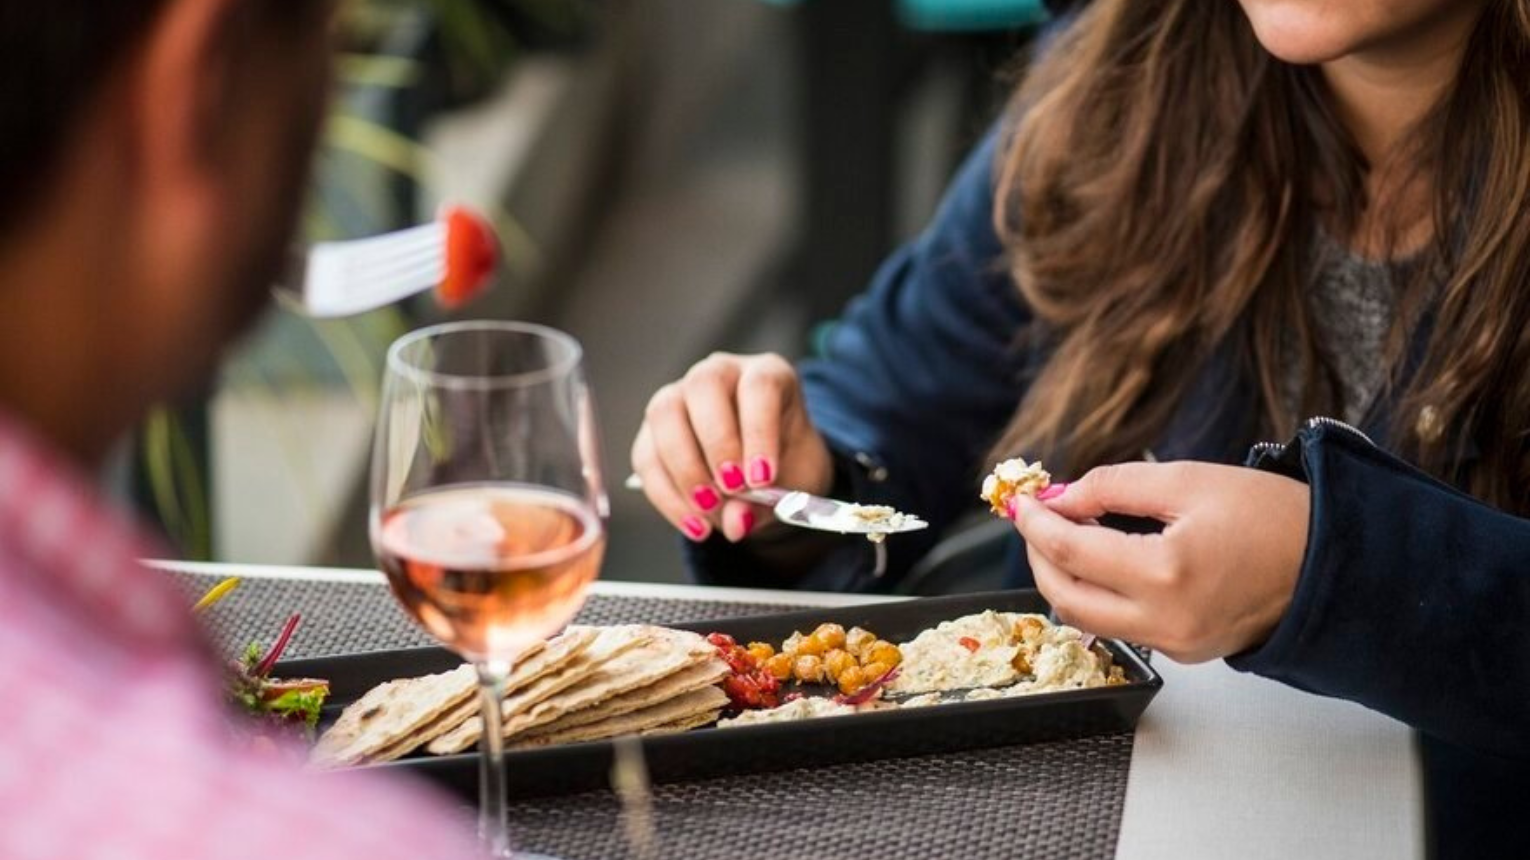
x,y
347,617
1056,800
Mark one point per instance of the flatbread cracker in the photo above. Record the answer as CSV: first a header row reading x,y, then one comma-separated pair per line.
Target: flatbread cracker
x,y
666,653
609,643
538,663
558,652
685,725
429,732
705,674
379,725
689,707
391,711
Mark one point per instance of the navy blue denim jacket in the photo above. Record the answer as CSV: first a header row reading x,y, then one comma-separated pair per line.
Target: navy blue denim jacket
x,y
1414,599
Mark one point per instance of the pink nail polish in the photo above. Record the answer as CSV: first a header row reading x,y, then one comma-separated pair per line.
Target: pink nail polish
x,y
731,476
761,471
694,526
705,497
1052,492
1009,507
746,523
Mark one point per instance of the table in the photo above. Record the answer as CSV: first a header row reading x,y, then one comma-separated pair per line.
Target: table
x,y
1222,764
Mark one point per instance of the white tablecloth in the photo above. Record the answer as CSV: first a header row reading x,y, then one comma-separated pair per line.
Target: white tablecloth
x,y
1229,765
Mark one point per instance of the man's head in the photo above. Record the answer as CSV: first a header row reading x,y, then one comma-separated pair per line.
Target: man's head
x,y
153,156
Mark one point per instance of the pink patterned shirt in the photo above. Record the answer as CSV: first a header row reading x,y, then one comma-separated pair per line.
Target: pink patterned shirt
x,y
113,740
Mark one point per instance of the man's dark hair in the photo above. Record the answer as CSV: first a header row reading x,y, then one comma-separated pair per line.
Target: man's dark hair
x,y
54,57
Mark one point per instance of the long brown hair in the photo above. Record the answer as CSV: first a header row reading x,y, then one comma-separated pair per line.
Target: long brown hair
x,y
1158,197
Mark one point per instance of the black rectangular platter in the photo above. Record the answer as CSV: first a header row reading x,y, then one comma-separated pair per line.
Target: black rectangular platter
x,y
709,752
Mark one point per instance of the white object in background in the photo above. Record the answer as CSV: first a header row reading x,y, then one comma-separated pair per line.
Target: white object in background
x,y
1227,764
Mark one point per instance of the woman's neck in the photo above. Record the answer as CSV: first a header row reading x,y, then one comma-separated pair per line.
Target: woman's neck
x,y
1381,93
1383,90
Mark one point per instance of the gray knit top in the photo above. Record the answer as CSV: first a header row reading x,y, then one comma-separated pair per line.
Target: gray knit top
x,y
1352,301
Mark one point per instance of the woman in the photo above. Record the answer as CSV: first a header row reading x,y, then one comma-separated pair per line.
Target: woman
x,y
1204,222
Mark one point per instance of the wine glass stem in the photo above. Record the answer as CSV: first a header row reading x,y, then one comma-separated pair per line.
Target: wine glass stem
x,y
493,829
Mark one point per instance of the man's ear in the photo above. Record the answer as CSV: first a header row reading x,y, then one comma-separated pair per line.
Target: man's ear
x,y
179,81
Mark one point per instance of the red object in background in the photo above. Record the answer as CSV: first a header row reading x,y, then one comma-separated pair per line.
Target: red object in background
x,y
472,255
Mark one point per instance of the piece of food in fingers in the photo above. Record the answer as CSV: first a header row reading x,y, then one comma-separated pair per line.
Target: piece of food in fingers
x,y
1012,478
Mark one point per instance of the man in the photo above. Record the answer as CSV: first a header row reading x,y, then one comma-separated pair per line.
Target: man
x,y
153,154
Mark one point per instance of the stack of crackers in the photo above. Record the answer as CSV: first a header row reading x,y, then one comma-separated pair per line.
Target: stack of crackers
x,y
589,683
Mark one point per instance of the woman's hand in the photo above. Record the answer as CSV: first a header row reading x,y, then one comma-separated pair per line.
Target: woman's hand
x,y
732,421
1217,579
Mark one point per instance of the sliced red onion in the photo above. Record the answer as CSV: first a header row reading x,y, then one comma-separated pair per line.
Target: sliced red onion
x,y
870,691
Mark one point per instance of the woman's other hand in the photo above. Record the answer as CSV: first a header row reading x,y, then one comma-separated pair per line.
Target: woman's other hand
x,y
1214,582
733,421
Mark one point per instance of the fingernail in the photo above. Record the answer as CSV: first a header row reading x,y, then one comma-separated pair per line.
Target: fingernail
x,y
705,497
695,527
760,471
1052,492
1009,507
731,476
746,523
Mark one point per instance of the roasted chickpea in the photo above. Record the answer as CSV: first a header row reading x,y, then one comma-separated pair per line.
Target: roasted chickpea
x,y
761,651
851,680
873,671
808,669
837,661
1022,663
831,635
883,651
1029,627
857,640
780,666
811,646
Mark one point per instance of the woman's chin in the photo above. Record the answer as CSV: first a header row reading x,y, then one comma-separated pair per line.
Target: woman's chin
x,y
1301,32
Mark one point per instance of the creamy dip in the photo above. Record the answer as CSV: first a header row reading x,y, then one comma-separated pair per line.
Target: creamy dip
x,y
1065,665
938,660
996,650
875,521
805,708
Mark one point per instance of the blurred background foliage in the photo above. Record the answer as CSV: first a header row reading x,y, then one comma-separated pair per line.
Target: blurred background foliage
x,y
400,62
684,176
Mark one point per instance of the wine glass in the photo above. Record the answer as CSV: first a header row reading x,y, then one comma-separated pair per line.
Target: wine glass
x,y
488,506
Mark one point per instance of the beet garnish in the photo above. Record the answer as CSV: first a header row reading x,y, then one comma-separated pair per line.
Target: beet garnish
x,y
272,690
263,668
870,691
279,705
